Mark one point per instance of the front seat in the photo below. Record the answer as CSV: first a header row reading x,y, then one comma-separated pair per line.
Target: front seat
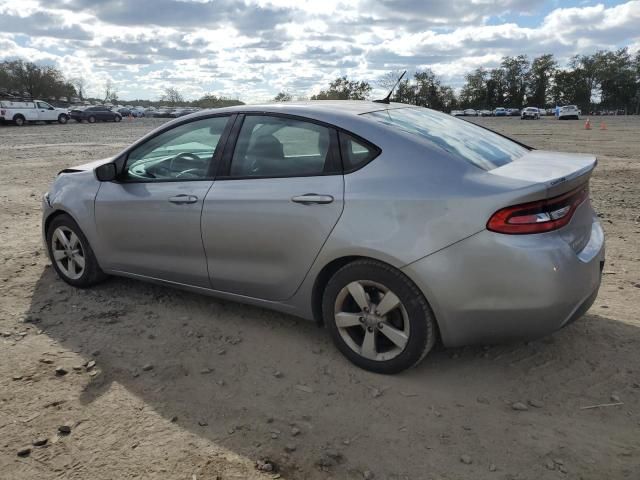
x,y
266,156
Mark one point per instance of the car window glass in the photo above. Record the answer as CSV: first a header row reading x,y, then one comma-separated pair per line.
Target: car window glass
x,y
355,153
280,147
184,152
476,145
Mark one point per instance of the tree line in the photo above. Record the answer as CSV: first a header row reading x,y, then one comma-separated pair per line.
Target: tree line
x,y
23,79
606,79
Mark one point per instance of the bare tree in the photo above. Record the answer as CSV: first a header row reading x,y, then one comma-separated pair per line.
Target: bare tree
x,y
110,92
172,96
81,85
387,80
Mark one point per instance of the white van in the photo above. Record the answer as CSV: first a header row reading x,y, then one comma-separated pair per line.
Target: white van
x,y
36,111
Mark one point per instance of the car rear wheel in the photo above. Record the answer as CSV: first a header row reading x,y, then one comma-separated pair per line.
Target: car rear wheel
x,y
19,120
92,119
63,119
71,255
377,317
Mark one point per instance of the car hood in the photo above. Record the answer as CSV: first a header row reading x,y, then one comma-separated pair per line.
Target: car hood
x,y
87,166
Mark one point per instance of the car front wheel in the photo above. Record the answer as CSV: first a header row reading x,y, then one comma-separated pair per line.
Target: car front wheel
x,y
377,317
92,119
70,253
63,119
117,118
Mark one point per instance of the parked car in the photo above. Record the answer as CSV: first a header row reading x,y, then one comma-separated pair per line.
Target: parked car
x,y
124,111
514,112
457,113
485,113
470,112
569,112
501,244
21,113
162,113
500,112
530,113
95,114
180,112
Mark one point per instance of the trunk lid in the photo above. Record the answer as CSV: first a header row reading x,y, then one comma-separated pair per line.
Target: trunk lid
x,y
558,172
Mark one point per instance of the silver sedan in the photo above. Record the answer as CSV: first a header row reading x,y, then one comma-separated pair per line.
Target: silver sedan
x,y
394,226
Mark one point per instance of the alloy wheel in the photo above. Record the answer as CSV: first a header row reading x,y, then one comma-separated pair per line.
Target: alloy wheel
x,y
372,320
67,252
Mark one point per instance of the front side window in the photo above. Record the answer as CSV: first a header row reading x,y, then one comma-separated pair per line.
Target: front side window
x,y
481,147
44,105
183,153
281,147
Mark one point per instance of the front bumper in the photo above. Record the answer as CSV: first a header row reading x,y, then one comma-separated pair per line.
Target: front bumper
x,y
491,288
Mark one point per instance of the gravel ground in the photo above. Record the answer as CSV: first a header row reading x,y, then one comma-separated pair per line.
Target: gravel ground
x,y
189,387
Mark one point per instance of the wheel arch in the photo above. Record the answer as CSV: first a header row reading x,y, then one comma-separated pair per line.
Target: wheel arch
x,y
322,278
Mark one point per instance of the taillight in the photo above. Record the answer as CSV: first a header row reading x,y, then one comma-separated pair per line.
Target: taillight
x,y
540,216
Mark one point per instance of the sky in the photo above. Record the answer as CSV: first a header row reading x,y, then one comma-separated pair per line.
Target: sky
x,y
252,49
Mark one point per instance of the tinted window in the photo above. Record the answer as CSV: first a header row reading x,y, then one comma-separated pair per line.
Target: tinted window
x,y
184,152
280,147
465,140
355,153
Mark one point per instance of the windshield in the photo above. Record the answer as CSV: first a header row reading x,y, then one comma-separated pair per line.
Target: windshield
x,y
481,147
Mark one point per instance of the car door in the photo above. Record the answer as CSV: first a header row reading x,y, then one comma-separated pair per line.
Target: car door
x,y
46,113
272,206
149,221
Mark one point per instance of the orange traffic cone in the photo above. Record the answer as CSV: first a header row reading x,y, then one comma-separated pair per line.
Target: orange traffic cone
x,y
603,126
587,124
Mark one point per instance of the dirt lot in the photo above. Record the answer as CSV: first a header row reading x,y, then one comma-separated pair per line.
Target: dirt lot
x,y
189,387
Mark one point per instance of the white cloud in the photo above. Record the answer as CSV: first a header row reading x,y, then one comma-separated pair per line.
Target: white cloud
x,y
254,48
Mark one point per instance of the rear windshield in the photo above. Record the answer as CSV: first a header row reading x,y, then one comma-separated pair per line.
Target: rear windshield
x,y
482,148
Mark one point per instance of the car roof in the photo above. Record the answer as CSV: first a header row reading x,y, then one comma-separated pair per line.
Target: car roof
x,y
354,107
340,113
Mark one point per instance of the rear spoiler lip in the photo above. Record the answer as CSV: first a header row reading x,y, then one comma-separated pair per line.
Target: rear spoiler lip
x,y
556,172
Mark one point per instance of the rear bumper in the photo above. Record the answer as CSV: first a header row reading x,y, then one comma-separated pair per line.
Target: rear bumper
x,y
491,288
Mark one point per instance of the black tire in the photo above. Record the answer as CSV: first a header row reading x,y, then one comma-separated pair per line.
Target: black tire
x,y
62,119
19,120
91,119
422,324
92,273
117,118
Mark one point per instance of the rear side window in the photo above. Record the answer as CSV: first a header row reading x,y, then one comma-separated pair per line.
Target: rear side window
x,y
476,145
355,153
281,147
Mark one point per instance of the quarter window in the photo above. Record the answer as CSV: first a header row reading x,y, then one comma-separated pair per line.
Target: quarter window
x,y
355,153
183,153
281,147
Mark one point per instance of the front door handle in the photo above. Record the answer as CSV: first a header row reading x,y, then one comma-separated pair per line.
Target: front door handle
x,y
183,198
311,198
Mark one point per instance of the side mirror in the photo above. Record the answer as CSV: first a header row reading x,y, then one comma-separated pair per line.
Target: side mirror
x,y
107,172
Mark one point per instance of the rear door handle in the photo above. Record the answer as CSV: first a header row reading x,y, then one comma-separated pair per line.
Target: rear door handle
x,y
183,198
311,198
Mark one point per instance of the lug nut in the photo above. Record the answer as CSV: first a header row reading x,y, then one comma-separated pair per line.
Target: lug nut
x,y
361,319
370,329
380,325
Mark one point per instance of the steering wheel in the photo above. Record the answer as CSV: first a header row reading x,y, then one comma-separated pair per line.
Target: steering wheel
x,y
183,156
191,171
